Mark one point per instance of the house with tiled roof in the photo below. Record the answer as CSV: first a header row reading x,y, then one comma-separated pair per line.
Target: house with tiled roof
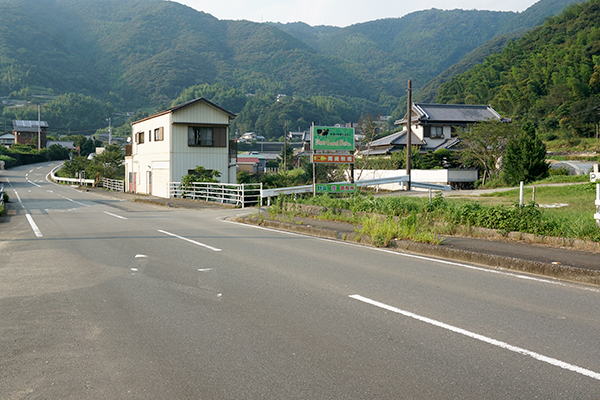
x,y
433,127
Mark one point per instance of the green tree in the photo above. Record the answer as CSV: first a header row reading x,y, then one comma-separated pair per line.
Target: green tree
x,y
72,168
200,174
525,158
484,144
110,163
57,152
290,159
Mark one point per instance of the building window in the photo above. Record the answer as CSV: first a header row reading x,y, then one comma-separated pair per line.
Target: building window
x,y
159,134
139,137
437,132
207,136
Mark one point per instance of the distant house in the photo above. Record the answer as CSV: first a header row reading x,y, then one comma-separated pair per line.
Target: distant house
x,y
169,145
432,127
254,164
67,144
26,132
7,139
251,136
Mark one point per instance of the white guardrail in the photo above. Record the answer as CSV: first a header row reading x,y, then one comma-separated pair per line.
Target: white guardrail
x,y
226,193
110,184
78,181
268,193
113,184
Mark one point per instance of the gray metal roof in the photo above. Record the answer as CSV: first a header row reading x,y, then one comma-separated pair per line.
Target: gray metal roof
x,y
28,126
452,113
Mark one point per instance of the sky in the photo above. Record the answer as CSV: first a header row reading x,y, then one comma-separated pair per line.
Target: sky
x,y
340,13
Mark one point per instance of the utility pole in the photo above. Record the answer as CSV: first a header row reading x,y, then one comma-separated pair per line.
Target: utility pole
x,y
285,147
109,131
408,132
39,128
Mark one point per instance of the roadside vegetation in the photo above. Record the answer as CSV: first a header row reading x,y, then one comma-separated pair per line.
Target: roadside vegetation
x,y
558,211
108,164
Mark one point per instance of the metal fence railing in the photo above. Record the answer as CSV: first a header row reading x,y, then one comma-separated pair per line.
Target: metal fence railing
x,y
268,193
75,181
1,194
243,195
113,184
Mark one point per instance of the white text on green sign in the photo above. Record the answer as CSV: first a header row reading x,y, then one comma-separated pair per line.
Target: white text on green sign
x,y
335,188
332,138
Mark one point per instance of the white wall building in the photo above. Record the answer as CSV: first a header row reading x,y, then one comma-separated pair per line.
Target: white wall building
x,y
170,144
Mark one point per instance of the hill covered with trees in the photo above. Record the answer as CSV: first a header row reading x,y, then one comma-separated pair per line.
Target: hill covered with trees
x,y
126,55
551,76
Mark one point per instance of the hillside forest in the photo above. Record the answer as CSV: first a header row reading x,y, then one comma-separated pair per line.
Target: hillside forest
x,y
119,60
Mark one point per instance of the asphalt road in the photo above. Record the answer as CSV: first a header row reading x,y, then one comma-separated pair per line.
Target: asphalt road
x,y
108,299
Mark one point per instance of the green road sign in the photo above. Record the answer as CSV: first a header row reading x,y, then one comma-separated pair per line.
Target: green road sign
x,y
332,138
335,188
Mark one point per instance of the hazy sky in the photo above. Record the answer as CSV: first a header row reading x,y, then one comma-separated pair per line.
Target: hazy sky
x,y
338,12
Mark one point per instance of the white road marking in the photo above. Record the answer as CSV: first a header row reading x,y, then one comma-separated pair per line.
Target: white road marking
x,y
190,240
204,269
436,260
114,215
18,197
140,256
74,201
35,228
485,339
33,183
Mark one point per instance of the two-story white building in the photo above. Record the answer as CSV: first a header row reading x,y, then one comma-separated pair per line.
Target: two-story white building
x,y
168,145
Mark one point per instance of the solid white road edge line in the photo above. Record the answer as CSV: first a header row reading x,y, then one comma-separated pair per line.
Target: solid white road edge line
x,y
425,258
190,240
114,215
35,228
485,339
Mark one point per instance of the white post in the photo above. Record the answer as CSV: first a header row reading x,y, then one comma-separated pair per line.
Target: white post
x,y
521,194
39,128
597,215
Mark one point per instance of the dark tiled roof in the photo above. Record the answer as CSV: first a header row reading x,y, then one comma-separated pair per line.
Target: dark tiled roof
x,y
448,144
452,113
398,138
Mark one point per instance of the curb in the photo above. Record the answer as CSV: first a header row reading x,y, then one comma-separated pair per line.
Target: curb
x,y
556,271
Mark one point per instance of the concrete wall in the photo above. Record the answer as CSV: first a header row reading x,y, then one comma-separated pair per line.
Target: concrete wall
x,y
437,176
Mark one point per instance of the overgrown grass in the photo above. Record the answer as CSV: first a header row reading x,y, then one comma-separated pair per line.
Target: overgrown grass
x,y
572,145
563,211
383,230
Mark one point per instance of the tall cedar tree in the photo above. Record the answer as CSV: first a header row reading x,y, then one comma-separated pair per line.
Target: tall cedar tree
x,y
525,158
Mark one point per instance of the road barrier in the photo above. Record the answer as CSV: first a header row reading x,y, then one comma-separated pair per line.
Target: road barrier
x,y
243,195
268,193
113,184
